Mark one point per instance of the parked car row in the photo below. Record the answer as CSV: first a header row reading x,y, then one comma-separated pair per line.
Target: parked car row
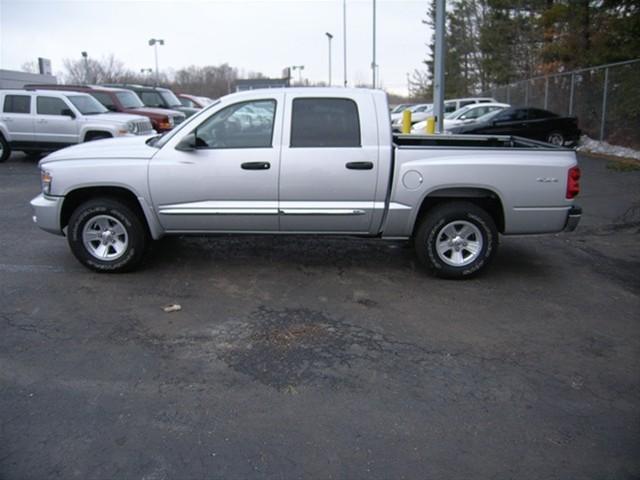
x,y
420,112
484,117
44,118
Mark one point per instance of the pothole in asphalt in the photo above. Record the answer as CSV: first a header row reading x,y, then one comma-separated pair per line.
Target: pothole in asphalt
x,y
284,348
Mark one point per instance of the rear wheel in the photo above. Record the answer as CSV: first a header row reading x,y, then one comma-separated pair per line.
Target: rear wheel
x,y
107,235
5,149
556,138
456,240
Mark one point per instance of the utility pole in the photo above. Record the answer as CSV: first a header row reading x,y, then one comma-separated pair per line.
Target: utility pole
x,y
373,62
438,77
344,38
329,37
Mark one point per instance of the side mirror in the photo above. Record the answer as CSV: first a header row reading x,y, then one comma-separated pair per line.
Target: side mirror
x,y
67,112
187,144
112,108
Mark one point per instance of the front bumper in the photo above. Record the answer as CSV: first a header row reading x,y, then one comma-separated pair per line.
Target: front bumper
x,y
46,213
573,218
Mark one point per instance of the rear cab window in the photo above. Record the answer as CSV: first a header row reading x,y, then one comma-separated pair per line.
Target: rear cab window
x,y
17,104
325,123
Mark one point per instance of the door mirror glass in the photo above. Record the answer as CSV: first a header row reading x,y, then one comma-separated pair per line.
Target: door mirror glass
x,y
187,144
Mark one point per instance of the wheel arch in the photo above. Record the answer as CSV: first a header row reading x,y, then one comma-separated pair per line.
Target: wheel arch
x,y
92,131
485,198
76,197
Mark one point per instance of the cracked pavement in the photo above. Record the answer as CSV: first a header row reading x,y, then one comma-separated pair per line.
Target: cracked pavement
x,y
299,357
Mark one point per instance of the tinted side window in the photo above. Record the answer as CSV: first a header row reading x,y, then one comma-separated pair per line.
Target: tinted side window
x,y
450,107
186,102
50,106
104,99
537,114
151,99
17,104
466,102
325,122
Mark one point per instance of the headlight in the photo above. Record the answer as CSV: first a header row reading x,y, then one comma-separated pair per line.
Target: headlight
x,y
132,127
45,181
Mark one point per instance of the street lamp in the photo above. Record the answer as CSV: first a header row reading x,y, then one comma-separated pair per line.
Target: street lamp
x,y
299,68
85,55
154,42
344,38
146,71
373,62
329,37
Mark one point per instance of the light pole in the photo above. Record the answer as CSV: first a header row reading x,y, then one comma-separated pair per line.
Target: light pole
x,y
299,68
85,55
438,65
155,42
373,62
329,37
344,38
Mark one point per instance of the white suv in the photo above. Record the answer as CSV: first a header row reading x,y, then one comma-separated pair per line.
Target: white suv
x,y
45,120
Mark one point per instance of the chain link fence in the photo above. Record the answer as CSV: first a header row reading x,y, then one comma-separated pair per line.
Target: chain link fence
x,y
606,99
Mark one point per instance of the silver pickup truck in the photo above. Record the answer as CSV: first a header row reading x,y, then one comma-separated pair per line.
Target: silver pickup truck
x,y
306,161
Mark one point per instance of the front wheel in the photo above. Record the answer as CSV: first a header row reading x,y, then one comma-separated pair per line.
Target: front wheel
x,y
456,240
107,236
5,149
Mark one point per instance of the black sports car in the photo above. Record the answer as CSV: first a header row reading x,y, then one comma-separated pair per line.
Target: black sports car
x,y
531,123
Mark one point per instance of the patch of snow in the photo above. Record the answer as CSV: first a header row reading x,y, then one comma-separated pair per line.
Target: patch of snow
x,y
589,145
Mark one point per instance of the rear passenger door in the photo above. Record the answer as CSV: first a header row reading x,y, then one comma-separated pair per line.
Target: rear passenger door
x,y
53,122
329,164
17,118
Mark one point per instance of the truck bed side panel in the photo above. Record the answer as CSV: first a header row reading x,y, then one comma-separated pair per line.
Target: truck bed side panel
x,y
530,184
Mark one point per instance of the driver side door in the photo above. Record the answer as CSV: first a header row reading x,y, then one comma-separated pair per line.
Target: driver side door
x,y
229,181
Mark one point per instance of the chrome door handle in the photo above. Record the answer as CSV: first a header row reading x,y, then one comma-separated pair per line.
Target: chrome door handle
x,y
42,120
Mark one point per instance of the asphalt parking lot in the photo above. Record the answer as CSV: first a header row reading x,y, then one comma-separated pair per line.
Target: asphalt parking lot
x,y
323,358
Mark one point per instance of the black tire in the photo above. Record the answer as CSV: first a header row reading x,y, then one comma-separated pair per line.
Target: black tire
x,y
33,155
5,149
453,215
556,138
91,136
136,239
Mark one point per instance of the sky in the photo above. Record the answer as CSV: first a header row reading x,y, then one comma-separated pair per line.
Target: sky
x,y
258,35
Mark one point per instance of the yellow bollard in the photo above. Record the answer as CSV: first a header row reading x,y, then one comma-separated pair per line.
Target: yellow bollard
x,y
406,121
431,125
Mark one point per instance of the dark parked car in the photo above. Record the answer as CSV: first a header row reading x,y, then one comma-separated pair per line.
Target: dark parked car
x,y
157,97
531,123
124,101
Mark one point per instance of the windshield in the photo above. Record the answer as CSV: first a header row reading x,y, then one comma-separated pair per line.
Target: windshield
x,y
129,100
400,108
489,116
87,105
170,98
459,112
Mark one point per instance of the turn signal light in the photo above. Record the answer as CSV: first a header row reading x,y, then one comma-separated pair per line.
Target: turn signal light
x,y
573,182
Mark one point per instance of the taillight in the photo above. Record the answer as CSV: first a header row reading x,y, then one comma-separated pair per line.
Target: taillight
x,y
573,182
